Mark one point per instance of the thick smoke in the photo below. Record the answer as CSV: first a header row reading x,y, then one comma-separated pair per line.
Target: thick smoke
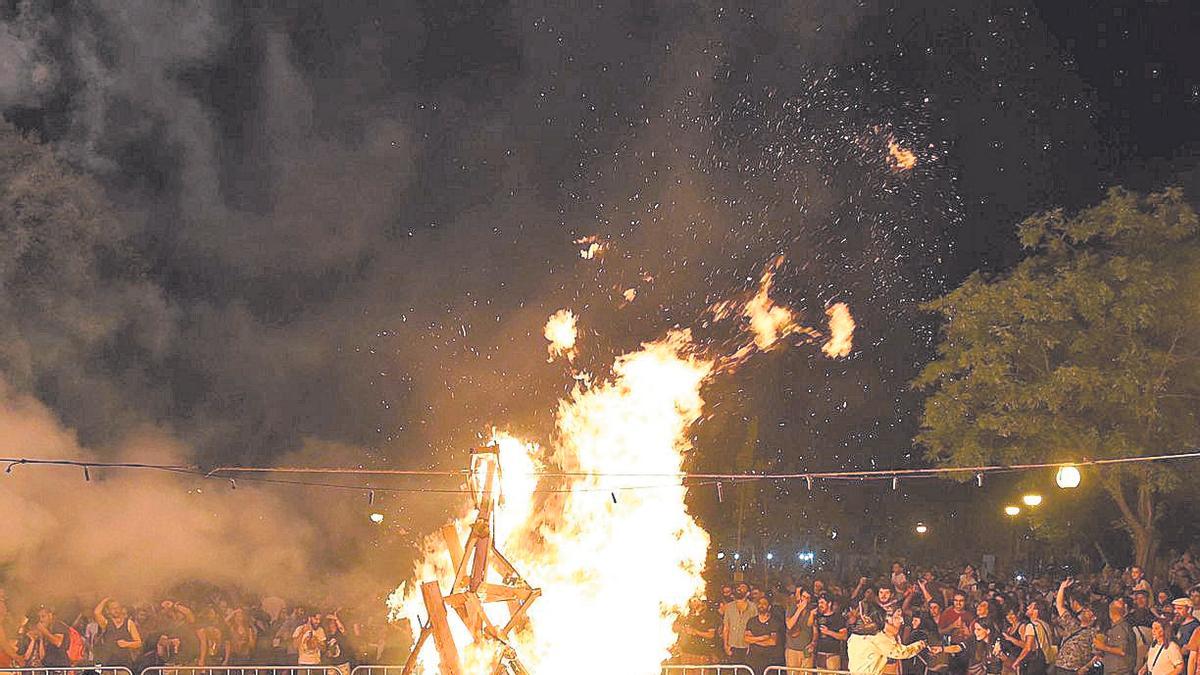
x,y
349,223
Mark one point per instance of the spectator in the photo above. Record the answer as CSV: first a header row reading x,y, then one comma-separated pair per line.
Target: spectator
x,y
899,578
698,633
1185,621
1035,641
733,625
243,638
831,634
338,651
1076,653
1164,656
1138,581
309,638
798,652
764,639
869,654
968,581
119,642
1117,646
54,636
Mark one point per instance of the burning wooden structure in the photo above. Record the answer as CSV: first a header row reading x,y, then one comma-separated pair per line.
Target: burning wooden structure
x,y
471,589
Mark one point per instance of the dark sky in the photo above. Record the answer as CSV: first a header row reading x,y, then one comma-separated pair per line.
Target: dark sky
x,y
356,216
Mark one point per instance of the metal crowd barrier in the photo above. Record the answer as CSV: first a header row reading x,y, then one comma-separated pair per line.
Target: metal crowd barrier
x,y
784,670
377,670
243,670
70,670
714,669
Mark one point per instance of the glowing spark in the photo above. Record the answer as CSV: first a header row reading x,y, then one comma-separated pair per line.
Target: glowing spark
x,y
561,332
630,294
841,331
900,157
592,246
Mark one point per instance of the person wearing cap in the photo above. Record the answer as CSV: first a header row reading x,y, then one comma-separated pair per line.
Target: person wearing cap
x,y
1185,621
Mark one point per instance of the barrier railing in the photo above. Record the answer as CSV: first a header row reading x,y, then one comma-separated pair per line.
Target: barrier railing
x,y
71,670
784,670
377,670
244,670
714,669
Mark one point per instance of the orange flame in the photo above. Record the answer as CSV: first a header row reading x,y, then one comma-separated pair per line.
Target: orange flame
x,y
592,246
603,556
900,157
841,331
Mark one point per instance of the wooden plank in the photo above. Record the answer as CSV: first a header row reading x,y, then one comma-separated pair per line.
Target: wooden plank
x,y
453,544
435,604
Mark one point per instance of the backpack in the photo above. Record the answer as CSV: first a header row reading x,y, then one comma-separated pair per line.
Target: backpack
x,y
74,646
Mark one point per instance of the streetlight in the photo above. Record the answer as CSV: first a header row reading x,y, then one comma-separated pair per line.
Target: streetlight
x,y
1032,499
922,528
1067,476
1012,510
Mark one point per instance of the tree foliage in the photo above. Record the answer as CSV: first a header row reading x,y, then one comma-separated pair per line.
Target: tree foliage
x,y
1088,348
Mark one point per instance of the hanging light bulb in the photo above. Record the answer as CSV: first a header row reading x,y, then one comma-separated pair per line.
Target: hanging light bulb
x,y
1012,510
922,528
1067,477
1032,499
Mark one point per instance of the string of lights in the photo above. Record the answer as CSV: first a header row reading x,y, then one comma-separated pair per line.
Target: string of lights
x,y
692,479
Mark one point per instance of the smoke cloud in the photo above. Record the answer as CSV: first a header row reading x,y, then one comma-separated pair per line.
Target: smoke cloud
x,y
334,235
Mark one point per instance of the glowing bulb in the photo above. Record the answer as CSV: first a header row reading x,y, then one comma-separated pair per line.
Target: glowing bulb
x,y
1032,499
1067,476
720,555
1011,510
770,556
376,518
922,528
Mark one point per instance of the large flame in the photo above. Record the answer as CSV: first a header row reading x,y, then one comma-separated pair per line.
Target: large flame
x,y
604,557
598,520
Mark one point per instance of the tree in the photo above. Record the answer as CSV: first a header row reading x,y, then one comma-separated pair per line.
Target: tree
x,y
1088,348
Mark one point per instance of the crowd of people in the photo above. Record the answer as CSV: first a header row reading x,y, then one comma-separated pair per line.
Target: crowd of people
x,y
214,631
931,621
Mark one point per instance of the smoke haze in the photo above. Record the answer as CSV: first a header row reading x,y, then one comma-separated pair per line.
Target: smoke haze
x,y
333,235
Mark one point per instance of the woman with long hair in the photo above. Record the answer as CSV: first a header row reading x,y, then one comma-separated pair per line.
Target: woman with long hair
x,y
1035,636
1164,656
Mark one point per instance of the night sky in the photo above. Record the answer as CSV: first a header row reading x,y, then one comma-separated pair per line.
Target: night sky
x,y
356,216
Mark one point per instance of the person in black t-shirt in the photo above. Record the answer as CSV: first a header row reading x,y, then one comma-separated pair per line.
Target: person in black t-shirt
x,y
829,627
764,638
55,638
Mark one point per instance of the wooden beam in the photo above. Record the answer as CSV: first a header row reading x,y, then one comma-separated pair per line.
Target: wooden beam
x,y
435,604
453,544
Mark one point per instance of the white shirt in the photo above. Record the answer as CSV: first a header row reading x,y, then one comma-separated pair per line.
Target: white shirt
x,y
310,647
869,654
1160,662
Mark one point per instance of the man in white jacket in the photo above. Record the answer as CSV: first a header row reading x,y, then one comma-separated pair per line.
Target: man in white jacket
x,y
869,654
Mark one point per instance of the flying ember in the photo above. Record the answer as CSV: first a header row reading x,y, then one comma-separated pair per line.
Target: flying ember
x,y
899,157
560,330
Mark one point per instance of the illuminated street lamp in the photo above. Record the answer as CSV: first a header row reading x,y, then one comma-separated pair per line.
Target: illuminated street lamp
x,y
922,528
1032,499
1067,476
376,518
1012,510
